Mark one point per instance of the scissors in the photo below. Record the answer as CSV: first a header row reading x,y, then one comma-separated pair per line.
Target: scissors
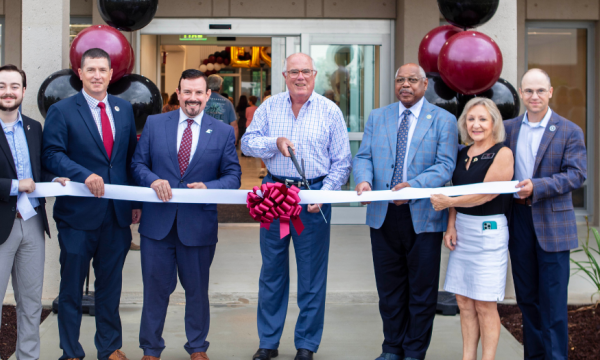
x,y
302,173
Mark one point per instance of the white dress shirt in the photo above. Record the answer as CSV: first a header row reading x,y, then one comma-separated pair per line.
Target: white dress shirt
x,y
195,130
415,110
530,137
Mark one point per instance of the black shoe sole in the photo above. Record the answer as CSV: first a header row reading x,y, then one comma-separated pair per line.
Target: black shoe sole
x,y
274,354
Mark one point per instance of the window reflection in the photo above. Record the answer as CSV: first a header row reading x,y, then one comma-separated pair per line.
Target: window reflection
x,y
562,53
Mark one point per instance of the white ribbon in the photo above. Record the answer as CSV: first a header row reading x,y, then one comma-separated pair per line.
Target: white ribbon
x,y
210,196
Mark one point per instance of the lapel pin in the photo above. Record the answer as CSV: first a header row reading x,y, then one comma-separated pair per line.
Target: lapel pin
x,y
208,131
552,128
429,116
117,108
474,159
28,127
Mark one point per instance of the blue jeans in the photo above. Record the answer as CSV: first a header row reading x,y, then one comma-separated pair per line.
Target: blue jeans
x,y
312,256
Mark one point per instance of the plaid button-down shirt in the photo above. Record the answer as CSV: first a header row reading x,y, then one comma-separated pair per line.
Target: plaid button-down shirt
x,y
93,104
319,135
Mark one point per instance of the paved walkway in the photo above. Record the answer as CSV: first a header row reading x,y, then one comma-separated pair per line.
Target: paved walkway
x,y
352,332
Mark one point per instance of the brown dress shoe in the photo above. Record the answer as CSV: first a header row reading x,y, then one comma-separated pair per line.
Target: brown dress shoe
x,y
148,357
118,355
199,356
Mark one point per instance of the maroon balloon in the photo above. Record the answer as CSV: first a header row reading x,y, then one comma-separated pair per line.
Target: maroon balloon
x,y
108,39
211,59
132,64
219,60
470,62
226,61
430,46
205,61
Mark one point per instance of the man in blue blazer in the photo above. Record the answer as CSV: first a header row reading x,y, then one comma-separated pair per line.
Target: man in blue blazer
x,y
90,138
411,143
550,162
183,149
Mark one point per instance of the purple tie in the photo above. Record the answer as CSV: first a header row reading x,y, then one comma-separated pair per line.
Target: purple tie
x,y
185,148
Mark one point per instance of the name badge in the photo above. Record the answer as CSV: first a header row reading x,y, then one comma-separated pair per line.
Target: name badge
x,y
487,156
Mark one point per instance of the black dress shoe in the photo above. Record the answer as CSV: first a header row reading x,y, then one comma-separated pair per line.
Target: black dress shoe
x,y
265,354
304,354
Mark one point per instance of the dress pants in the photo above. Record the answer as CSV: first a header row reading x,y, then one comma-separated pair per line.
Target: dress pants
x,y
312,256
407,272
161,261
107,246
541,281
22,254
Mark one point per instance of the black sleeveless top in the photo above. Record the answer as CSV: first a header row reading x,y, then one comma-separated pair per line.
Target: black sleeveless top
x,y
478,169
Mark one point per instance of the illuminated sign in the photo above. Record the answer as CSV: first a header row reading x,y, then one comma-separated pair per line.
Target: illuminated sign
x,y
192,38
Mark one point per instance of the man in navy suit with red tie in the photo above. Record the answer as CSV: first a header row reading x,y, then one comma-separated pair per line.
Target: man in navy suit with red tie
x,y
90,138
182,149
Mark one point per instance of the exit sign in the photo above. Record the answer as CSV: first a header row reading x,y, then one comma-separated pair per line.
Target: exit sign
x,y
192,38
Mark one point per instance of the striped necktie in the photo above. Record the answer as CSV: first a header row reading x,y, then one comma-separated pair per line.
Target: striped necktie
x,y
401,145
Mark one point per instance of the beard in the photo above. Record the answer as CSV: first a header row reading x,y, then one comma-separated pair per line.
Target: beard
x,y
10,108
194,111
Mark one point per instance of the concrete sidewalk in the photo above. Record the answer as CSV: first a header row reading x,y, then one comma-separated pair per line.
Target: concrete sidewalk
x,y
352,332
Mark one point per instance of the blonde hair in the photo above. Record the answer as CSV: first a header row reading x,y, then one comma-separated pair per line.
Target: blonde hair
x,y
498,131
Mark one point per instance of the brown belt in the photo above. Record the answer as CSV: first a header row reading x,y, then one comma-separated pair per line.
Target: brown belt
x,y
19,214
523,201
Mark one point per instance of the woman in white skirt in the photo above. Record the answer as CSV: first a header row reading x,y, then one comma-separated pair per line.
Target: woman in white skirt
x,y
477,232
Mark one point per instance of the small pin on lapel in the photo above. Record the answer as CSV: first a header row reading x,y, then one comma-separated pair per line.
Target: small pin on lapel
x,y
552,128
117,108
428,117
208,131
28,127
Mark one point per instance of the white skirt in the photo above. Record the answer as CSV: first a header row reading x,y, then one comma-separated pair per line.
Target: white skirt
x,y
477,266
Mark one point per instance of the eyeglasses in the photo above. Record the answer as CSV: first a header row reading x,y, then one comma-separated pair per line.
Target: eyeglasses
x,y
294,73
539,92
411,80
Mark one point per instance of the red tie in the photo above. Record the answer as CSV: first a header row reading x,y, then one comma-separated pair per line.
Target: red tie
x,y
185,148
107,135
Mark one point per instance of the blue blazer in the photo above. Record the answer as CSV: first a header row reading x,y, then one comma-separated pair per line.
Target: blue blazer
x,y
215,163
560,167
73,148
431,161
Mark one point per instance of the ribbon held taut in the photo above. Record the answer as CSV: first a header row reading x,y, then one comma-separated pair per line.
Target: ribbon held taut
x,y
277,202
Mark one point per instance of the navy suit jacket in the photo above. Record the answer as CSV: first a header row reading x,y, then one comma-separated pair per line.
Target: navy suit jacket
x,y
215,163
73,148
560,167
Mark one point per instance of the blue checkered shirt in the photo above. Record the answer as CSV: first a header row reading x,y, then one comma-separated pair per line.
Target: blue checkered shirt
x,y
319,135
93,104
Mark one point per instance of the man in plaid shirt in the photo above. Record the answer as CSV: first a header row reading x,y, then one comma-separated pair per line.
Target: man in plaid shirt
x,y
315,129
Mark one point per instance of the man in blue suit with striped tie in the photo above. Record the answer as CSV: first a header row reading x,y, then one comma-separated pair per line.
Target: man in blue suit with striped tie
x,y
411,143
181,149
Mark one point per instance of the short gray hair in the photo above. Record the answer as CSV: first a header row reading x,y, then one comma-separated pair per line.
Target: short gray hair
x,y
214,82
421,72
311,59
498,131
539,71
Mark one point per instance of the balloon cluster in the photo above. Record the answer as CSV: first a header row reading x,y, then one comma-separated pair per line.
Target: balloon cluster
x,y
462,63
215,62
124,15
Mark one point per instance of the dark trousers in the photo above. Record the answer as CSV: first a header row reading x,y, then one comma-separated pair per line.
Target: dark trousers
x,y
312,256
407,271
541,280
107,246
162,260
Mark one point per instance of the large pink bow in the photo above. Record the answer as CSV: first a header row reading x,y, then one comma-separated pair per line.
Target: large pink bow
x,y
278,202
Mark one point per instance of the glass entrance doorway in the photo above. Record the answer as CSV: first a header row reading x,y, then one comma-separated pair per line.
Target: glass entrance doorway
x,y
354,60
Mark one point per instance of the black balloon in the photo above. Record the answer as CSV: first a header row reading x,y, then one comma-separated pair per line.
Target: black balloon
x,y
438,93
503,94
60,85
143,95
468,13
127,15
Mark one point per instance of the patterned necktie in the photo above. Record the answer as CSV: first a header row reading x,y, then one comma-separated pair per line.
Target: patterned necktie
x,y
107,134
401,148
185,148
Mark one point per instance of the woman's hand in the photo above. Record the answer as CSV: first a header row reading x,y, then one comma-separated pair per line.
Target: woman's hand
x,y
450,238
440,202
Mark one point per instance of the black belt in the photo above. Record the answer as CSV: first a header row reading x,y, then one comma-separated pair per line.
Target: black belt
x,y
526,201
298,182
